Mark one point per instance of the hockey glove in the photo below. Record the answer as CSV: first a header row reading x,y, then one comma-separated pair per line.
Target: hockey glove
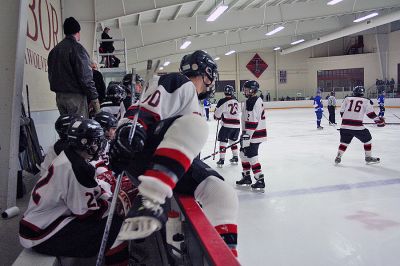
x,y
379,121
121,151
245,140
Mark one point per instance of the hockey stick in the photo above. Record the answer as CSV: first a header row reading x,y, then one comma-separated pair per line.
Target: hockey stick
x,y
215,143
215,153
149,74
396,116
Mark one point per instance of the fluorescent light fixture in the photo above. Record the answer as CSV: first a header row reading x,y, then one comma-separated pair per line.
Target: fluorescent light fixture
x,y
366,17
333,2
185,45
230,52
217,58
296,42
161,68
167,63
217,12
275,31
277,48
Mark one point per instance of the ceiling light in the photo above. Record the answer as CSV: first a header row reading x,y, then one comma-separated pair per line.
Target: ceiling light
x,y
217,12
366,17
333,2
161,68
217,58
230,52
185,45
296,42
277,48
275,31
167,63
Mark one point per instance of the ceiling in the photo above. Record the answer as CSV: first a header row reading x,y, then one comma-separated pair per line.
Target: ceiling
x,y
155,29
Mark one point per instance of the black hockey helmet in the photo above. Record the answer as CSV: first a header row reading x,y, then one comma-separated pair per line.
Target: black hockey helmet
x,y
199,63
127,80
332,93
63,122
250,87
229,90
115,93
87,135
106,120
358,91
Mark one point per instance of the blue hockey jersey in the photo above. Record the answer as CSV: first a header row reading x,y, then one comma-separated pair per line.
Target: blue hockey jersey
x,y
318,106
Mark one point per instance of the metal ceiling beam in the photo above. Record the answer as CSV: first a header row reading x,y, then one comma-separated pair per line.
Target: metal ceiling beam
x,y
157,16
151,9
247,4
231,5
368,24
177,11
263,3
196,9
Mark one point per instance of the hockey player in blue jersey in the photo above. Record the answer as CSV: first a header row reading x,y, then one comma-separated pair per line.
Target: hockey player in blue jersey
x,y
319,108
207,105
381,104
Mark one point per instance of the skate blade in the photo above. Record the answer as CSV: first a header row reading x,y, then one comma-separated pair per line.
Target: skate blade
x,y
220,165
258,190
234,163
243,187
368,163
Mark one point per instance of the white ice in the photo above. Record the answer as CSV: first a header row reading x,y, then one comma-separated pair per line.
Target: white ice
x,y
313,212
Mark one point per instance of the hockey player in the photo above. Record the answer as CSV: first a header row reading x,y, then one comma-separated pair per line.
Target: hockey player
x,y
318,108
114,100
135,92
62,124
381,104
207,105
254,132
67,210
169,135
228,110
352,111
331,108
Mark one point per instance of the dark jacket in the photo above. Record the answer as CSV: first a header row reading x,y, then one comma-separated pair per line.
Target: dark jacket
x,y
69,69
107,46
100,85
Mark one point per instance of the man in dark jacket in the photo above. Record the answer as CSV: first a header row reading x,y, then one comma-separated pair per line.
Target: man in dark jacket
x,y
70,74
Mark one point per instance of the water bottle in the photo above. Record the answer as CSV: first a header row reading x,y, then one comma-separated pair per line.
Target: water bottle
x,y
174,231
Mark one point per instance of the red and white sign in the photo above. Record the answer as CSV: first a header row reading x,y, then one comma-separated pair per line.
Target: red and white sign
x,y
257,66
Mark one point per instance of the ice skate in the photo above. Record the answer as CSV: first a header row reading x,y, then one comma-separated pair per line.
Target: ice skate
x,y
320,128
372,160
338,160
234,160
259,185
145,217
244,182
220,163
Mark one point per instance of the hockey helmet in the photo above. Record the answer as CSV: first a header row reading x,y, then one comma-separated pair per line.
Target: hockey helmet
x,y
87,135
358,91
63,122
199,63
332,93
106,120
229,90
115,93
250,88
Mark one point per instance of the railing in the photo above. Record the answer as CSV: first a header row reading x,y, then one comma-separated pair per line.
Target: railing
x,y
391,91
120,52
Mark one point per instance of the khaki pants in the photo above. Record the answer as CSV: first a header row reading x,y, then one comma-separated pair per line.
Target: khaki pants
x,y
72,103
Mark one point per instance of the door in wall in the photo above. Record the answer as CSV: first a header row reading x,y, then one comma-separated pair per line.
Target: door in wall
x,y
398,75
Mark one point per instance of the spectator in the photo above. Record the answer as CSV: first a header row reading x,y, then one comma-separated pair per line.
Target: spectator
x,y
70,74
391,83
99,82
268,97
108,47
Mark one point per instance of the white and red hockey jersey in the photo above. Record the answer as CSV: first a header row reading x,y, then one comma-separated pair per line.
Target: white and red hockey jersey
x,y
253,119
228,110
167,96
117,110
68,191
353,110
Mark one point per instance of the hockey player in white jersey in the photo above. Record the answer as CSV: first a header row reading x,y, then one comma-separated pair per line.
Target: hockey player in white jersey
x,y
114,100
254,132
62,124
169,135
228,111
67,210
352,111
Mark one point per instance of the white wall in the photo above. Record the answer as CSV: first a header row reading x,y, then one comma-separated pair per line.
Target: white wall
x,y
394,54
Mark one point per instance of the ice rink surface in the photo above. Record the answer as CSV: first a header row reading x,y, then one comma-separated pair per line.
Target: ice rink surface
x,y
313,212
